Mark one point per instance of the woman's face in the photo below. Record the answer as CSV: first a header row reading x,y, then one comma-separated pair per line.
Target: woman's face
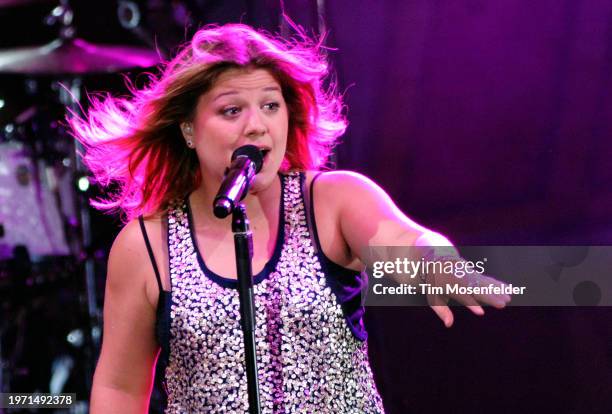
x,y
244,106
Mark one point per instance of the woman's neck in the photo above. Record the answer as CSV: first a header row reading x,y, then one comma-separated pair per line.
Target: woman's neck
x,y
261,205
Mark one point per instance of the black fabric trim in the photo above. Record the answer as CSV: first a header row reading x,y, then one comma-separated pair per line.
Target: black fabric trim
x,y
337,276
269,266
150,251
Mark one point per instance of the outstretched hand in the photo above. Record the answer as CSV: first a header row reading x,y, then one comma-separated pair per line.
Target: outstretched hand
x,y
473,301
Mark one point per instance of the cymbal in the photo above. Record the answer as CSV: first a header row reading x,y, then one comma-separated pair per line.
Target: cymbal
x,y
15,3
74,57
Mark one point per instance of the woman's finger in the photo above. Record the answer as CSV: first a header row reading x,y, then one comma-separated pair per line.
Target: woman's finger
x,y
476,309
496,300
444,313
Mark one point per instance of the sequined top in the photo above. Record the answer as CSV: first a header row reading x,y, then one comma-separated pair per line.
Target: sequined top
x,y
311,349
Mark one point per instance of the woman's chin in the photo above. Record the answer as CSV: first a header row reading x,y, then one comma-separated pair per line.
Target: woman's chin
x,y
262,181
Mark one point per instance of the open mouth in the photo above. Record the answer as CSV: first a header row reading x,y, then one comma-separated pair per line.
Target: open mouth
x,y
264,152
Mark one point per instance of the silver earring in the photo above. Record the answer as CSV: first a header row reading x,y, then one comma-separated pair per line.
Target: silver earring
x,y
190,143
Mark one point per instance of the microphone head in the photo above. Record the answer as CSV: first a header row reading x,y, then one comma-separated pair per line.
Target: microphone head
x,y
222,207
253,153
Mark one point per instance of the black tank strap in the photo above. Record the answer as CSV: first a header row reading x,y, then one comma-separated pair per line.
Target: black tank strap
x,y
150,250
309,205
312,190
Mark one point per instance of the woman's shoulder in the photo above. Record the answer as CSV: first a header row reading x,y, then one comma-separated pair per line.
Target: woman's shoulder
x,y
131,237
339,183
129,262
129,253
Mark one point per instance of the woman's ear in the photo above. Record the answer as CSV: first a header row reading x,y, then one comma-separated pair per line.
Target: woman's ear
x,y
187,130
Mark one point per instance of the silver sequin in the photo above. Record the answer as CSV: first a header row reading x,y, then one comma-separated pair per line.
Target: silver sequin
x,y
308,359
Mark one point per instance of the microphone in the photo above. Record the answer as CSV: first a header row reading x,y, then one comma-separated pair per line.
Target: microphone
x,y
246,163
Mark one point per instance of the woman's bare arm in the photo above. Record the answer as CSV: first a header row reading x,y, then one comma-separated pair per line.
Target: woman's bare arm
x,y
124,374
368,217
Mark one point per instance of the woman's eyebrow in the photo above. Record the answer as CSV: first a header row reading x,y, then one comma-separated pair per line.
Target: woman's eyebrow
x,y
225,94
271,89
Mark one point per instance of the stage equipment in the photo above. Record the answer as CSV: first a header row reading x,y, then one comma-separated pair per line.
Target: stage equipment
x,y
74,57
36,197
18,3
246,163
45,218
68,55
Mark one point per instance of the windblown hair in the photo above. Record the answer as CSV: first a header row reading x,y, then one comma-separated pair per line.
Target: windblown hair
x,y
135,145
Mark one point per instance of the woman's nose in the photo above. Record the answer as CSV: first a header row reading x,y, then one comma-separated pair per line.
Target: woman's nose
x,y
255,125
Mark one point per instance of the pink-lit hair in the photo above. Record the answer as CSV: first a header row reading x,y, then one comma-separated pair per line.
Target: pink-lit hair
x,y
135,145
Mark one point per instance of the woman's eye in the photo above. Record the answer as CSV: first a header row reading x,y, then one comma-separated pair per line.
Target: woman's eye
x,y
230,111
272,106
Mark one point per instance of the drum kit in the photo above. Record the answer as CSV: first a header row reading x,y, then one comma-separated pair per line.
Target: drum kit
x,y
46,263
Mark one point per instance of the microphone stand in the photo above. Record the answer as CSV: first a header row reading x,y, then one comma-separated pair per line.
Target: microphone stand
x,y
243,244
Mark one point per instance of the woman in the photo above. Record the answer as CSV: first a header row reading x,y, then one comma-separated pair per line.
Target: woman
x,y
171,276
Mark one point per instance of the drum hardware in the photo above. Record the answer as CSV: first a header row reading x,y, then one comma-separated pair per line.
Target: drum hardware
x,y
42,167
61,369
17,3
32,209
68,55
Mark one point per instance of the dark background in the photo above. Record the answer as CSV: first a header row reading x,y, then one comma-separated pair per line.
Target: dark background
x,y
489,121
